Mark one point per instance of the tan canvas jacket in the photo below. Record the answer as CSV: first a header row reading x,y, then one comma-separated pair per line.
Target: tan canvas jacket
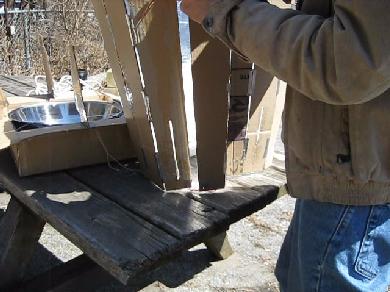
x,y
335,56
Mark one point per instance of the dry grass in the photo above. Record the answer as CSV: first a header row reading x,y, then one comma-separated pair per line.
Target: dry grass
x,y
65,22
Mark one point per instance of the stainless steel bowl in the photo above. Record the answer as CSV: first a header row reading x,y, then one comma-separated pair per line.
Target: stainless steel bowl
x,y
64,113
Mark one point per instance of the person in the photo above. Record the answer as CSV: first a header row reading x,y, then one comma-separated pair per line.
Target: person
x,y
335,57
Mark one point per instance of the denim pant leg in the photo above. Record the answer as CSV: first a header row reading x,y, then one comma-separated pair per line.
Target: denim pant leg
x,y
336,248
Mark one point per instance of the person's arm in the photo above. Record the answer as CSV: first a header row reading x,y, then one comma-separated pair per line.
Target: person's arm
x,y
344,59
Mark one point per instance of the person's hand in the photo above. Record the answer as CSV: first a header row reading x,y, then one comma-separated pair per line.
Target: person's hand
x,y
196,9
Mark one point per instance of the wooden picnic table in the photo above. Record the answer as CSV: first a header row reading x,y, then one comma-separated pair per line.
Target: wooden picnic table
x,y
118,219
123,223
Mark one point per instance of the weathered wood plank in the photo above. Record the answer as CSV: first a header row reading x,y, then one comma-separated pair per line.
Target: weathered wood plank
x,y
158,45
3,102
27,81
219,245
79,274
47,68
19,233
237,201
183,217
270,176
211,105
13,87
128,75
121,242
78,92
187,219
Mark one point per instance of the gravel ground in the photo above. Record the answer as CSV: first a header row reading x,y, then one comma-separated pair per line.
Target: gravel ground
x,y
256,241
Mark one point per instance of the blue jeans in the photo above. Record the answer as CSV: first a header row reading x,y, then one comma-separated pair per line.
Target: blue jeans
x,y
336,248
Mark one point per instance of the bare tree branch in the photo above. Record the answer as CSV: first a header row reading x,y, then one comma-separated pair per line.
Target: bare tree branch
x,y
65,22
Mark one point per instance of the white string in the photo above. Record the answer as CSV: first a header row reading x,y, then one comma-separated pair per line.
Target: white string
x,y
110,157
64,87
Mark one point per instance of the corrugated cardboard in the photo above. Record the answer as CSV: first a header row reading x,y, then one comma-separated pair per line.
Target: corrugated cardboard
x,y
238,117
58,151
238,63
241,82
251,119
63,147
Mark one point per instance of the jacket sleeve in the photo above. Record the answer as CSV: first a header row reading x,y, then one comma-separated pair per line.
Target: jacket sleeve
x,y
343,59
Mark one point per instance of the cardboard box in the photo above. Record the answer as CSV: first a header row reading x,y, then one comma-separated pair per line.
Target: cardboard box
x,y
241,82
236,62
57,148
238,117
252,121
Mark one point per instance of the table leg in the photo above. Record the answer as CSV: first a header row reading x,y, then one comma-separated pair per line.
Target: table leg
x,y
220,246
19,233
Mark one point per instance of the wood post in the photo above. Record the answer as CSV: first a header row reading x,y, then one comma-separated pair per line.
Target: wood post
x,y
219,246
19,233
46,66
211,105
78,274
76,85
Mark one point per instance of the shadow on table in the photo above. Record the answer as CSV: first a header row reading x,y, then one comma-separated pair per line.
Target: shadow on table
x,y
43,260
177,272
171,275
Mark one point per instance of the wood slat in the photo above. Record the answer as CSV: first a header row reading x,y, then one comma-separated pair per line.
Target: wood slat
x,y
271,176
78,92
210,105
78,274
14,87
189,220
46,66
220,246
24,80
138,121
121,242
190,216
238,201
158,45
19,234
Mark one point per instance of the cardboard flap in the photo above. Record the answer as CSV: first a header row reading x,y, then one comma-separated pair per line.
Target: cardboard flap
x,y
15,137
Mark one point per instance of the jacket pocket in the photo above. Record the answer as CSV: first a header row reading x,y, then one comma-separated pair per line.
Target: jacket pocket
x,y
372,252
